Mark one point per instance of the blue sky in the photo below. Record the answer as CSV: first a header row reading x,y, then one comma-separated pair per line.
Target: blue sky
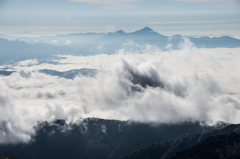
x,y
168,17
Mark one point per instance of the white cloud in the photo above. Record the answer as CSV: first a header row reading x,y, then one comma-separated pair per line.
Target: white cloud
x,y
68,42
201,1
28,62
54,41
215,3
188,22
173,98
110,28
117,3
169,46
127,3
30,100
190,84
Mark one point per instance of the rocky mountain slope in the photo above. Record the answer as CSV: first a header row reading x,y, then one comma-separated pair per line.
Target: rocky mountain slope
x,y
94,138
163,150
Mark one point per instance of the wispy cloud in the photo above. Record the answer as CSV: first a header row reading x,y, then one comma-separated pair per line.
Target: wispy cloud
x,y
107,3
110,28
200,1
215,3
186,22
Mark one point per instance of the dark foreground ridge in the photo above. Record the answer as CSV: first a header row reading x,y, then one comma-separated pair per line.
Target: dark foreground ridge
x,y
95,138
215,144
1,157
218,147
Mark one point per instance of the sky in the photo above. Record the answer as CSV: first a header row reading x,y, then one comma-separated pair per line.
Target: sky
x,y
168,17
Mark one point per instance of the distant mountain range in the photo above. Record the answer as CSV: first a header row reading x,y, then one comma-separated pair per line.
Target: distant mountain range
x,y
65,74
149,36
96,43
6,73
71,73
20,50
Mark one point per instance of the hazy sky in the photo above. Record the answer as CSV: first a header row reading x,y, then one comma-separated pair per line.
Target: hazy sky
x,y
187,17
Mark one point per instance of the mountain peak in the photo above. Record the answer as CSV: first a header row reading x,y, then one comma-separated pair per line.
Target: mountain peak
x,y
145,30
119,32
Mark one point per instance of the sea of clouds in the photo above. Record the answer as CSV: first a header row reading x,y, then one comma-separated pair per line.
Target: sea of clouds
x,y
189,84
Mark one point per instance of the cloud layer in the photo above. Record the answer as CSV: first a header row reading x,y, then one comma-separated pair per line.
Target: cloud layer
x,y
189,84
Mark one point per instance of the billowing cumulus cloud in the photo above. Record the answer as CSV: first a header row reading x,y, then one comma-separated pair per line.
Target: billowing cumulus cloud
x,y
189,84
28,62
18,118
144,90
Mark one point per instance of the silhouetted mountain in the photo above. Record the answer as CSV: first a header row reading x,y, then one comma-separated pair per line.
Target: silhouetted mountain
x,y
164,150
224,41
66,74
94,138
120,32
148,32
20,50
218,147
71,73
117,40
145,30
6,73
114,41
96,43
1,157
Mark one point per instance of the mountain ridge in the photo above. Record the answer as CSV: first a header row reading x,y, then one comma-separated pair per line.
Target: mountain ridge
x,y
107,43
164,150
95,138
